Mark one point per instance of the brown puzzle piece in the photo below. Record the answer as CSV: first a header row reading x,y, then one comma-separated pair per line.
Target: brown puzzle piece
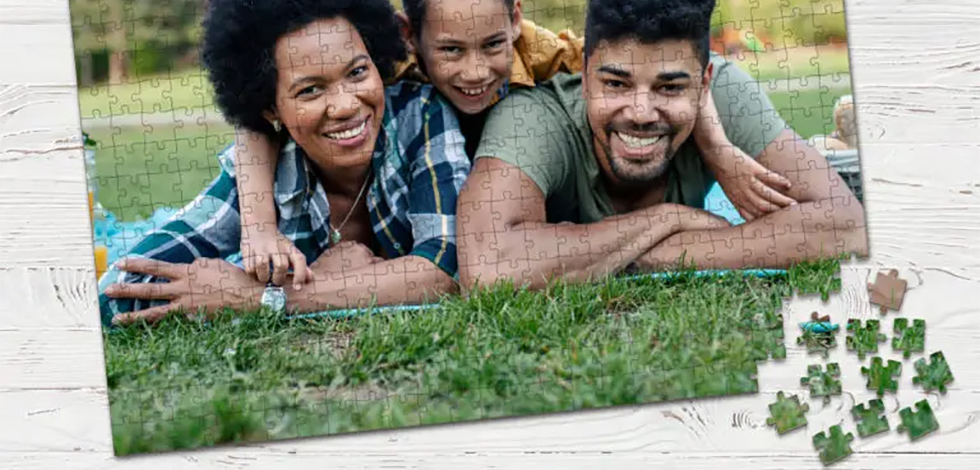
x,y
888,291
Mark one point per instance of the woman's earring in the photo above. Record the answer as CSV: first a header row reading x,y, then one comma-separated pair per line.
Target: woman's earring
x,y
276,125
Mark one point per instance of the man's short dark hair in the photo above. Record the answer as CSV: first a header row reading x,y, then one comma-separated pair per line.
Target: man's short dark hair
x,y
415,11
650,21
238,48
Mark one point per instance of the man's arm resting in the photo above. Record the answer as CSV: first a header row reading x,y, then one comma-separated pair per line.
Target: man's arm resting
x,y
503,234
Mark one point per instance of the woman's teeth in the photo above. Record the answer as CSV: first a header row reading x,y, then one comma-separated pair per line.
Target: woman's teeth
x,y
348,134
474,91
637,142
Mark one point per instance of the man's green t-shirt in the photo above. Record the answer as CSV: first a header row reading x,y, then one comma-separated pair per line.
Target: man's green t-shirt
x,y
544,132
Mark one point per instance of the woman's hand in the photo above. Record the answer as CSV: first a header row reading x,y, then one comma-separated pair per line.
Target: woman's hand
x,y
260,248
211,284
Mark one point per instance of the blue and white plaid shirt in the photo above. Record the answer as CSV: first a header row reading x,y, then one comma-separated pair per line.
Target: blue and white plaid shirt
x,y
419,166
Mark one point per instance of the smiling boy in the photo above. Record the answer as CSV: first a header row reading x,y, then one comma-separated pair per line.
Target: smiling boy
x,y
591,173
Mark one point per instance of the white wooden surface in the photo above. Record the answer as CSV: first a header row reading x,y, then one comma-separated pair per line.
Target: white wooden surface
x,y
916,69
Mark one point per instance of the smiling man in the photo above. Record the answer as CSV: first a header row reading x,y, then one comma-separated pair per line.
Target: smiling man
x,y
589,174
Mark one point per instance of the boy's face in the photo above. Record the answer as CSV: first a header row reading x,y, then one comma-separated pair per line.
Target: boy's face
x,y
329,94
468,49
641,101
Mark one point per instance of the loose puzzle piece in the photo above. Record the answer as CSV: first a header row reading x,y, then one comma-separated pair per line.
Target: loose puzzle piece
x,y
863,339
880,377
823,384
834,448
786,413
909,339
919,423
819,335
935,375
887,291
870,418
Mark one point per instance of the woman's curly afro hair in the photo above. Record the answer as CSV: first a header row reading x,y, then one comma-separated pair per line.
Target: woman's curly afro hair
x,y
238,49
649,21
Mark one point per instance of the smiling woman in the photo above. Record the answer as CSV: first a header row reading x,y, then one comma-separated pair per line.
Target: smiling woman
x,y
366,179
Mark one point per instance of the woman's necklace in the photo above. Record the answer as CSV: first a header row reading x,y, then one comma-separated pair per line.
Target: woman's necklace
x,y
335,232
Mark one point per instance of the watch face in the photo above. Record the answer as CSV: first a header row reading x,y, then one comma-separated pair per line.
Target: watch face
x,y
274,298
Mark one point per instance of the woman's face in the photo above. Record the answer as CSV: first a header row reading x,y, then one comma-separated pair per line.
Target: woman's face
x,y
468,49
329,95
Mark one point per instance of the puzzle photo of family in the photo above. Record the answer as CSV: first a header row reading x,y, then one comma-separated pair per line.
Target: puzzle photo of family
x,y
314,217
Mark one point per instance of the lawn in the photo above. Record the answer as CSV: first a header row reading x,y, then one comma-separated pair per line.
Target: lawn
x,y
497,353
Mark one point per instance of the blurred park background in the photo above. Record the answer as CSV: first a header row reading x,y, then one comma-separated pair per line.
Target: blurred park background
x,y
147,106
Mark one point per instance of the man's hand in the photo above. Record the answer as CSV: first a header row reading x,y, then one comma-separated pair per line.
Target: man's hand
x,y
208,284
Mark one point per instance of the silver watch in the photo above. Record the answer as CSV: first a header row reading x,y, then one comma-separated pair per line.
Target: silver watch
x,y
274,298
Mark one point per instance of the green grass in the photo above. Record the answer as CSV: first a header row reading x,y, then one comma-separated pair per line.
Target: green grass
x,y
497,353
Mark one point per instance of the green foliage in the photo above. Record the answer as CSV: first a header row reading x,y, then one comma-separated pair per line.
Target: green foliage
x,y
501,352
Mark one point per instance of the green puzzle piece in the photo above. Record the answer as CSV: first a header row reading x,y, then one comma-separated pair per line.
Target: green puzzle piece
x,y
870,418
863,339
823,384
786,413
919,423
909,339
880,377
934,375
818,342
835,447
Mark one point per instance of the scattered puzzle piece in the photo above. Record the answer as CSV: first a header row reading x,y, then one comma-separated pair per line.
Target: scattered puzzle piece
x,y
935,375
880,377
833,448
823,384
909,339
919,423
819,335
887,291
863,339
870,418
786,413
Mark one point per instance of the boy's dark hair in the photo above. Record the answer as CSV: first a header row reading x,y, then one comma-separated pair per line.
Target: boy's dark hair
x,y
415,11
238,49
650,21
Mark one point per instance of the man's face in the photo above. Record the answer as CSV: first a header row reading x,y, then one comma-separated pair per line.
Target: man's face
x,y
642,101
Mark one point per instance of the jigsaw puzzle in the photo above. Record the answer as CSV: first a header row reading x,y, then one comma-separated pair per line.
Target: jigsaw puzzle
x,y
870,418
835,447
909,339
880,377
918,423
314,217
863,339
887,291
822,383
933,375
787,414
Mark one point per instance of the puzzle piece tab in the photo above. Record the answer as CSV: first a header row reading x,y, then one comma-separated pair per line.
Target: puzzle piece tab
x,y
919,423
834,448
934,375
880,377
786,413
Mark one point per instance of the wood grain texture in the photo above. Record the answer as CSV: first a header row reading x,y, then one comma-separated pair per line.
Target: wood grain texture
x,y
916,72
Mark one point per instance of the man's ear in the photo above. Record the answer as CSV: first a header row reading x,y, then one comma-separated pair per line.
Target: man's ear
x,y
518,17
706,77
405,28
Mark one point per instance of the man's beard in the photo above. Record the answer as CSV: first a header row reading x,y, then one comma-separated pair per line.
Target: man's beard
x,y
639,174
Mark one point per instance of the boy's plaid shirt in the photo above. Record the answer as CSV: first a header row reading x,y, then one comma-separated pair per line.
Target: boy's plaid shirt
x,y
419,166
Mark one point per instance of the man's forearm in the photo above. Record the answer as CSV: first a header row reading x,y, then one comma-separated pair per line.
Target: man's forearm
x,y
535,253
779,240
405,280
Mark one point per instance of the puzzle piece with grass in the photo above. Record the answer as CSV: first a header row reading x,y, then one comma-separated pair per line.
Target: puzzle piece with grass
x,y
870,418
918,423
909,339
933,375
834,448
823,383
786,414
863,339
880,377
819,335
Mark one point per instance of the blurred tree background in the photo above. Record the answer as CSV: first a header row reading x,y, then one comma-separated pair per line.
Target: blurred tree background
x,y
146,102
